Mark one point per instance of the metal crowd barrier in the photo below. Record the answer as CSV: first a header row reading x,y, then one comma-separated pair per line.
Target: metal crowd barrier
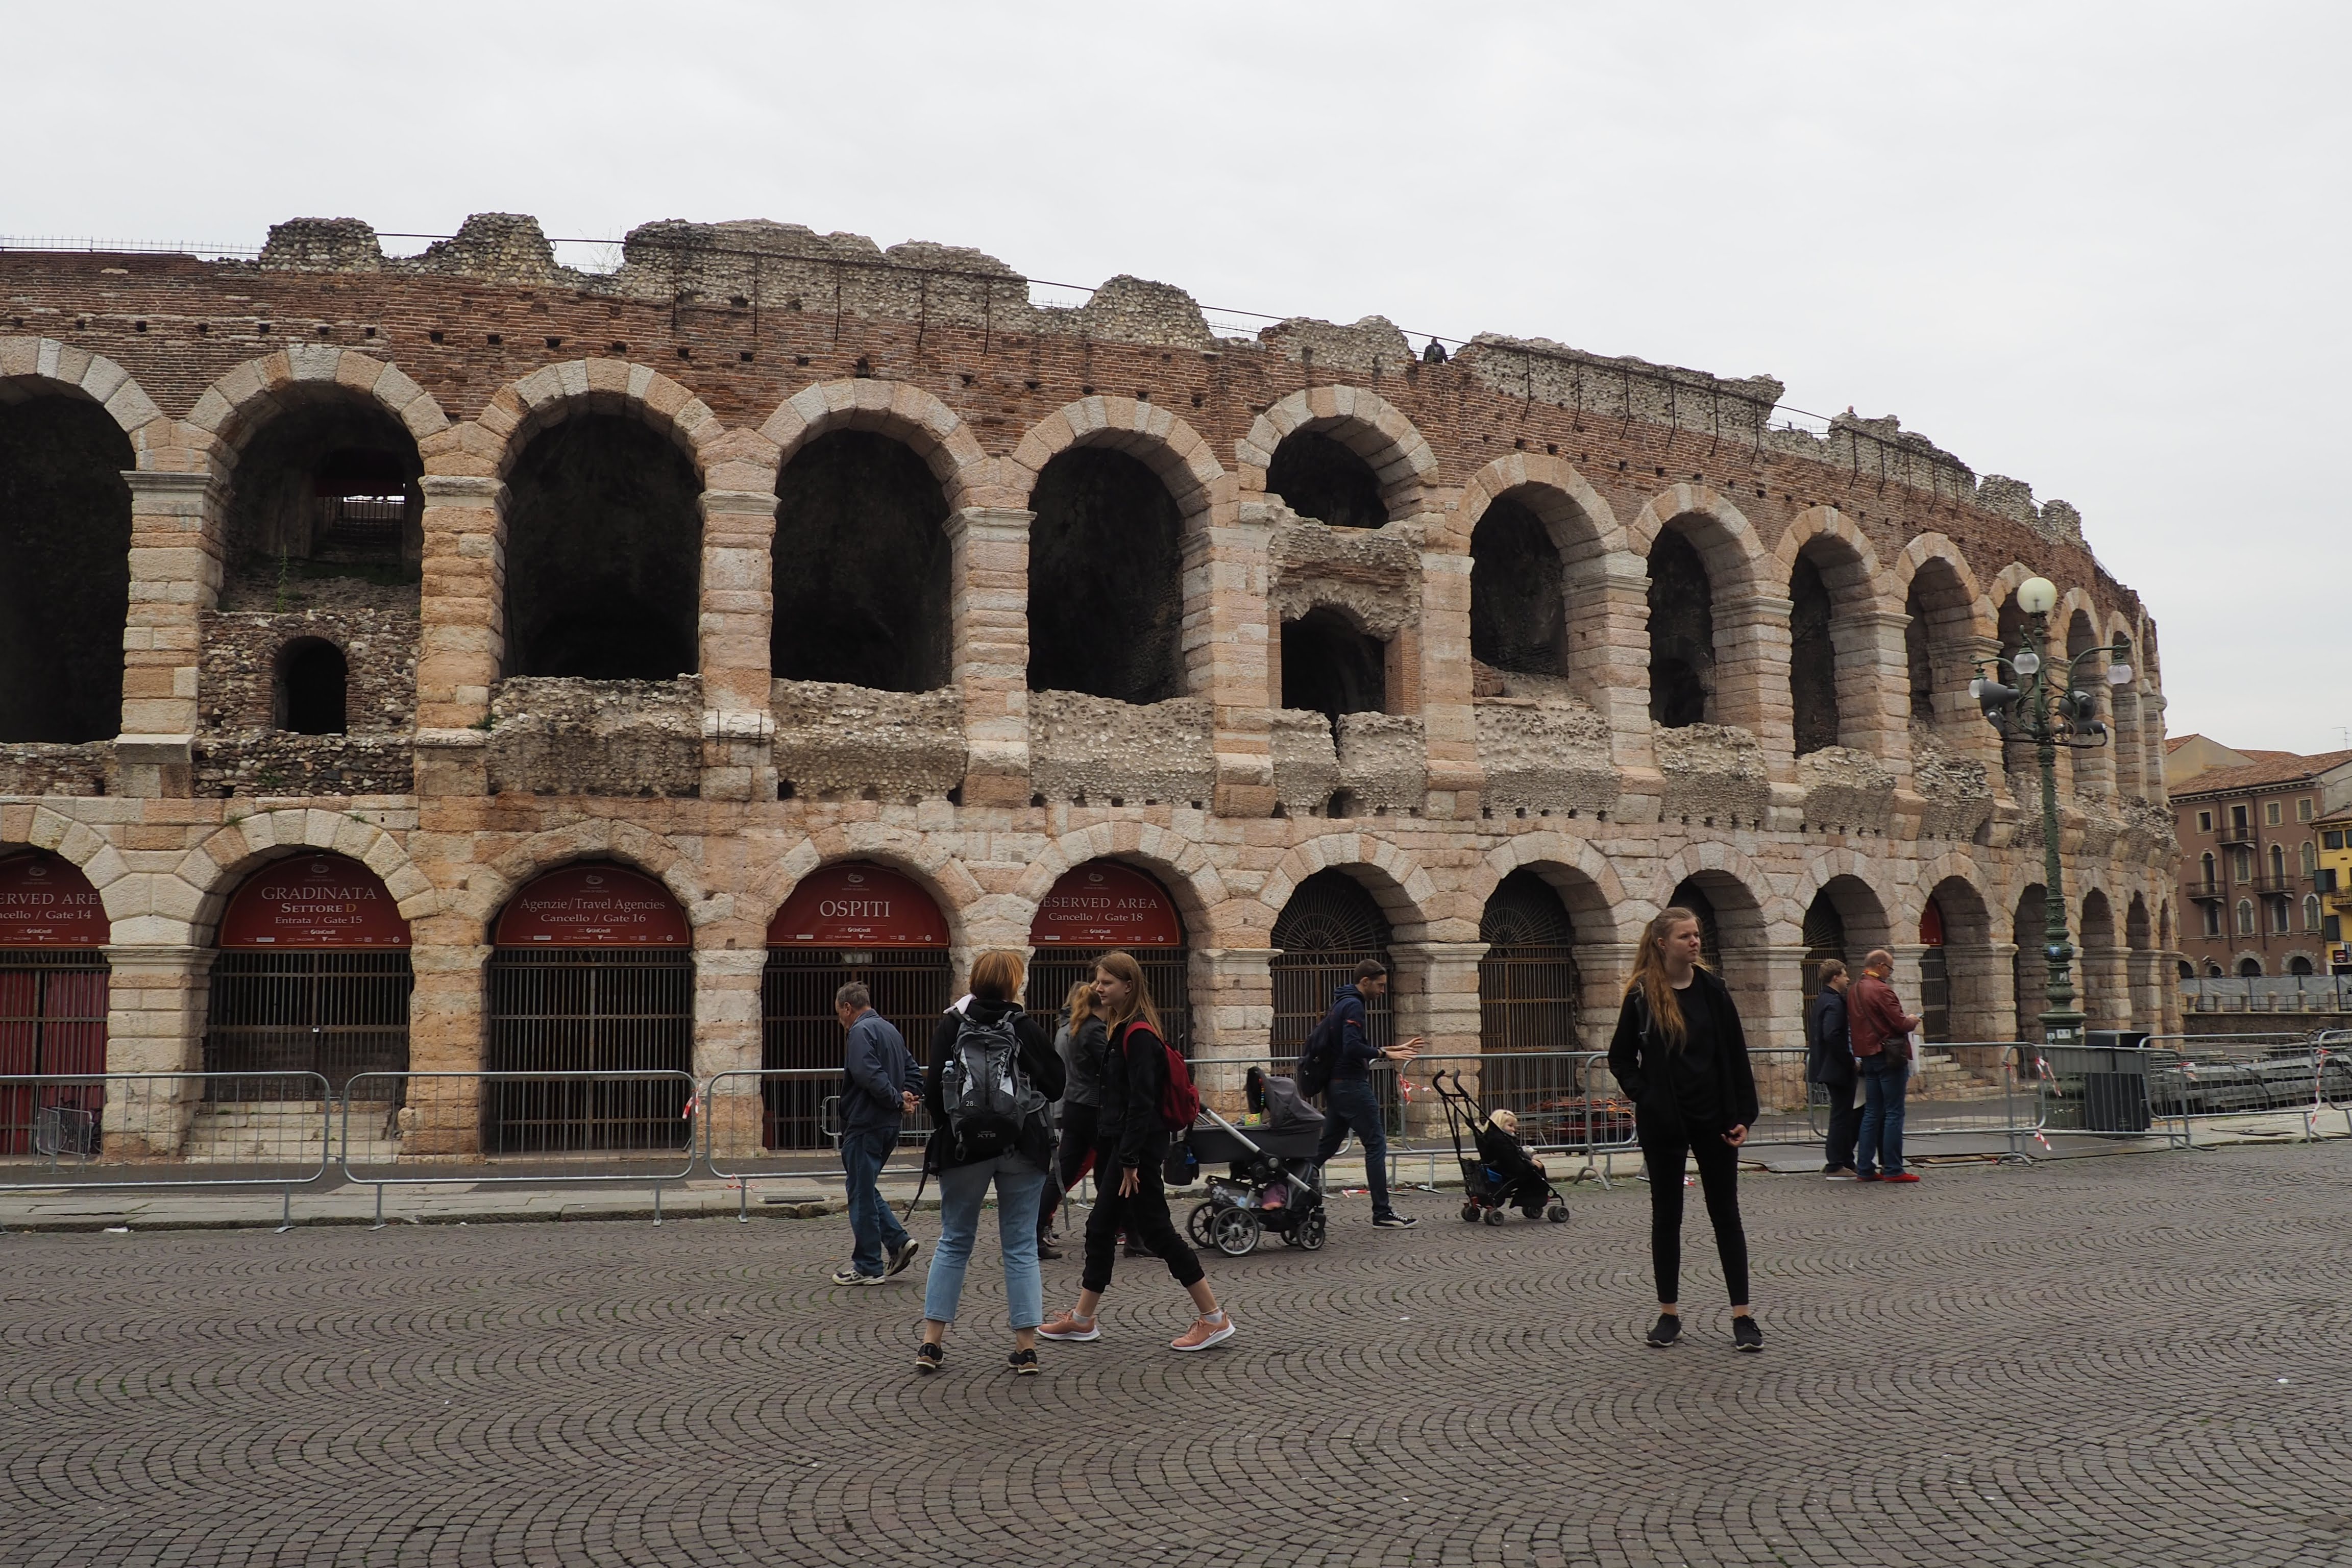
x,y
770,1124
2269,1076
125,1132
475,1129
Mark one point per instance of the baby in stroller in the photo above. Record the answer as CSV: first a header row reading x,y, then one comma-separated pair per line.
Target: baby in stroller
x,y
1497,1171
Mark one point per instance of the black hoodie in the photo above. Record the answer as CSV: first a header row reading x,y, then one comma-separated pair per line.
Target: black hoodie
x,y
1706,1083
1134,1077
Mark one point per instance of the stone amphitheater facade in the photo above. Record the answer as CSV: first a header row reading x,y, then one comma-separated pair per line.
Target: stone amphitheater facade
x,y
1366,610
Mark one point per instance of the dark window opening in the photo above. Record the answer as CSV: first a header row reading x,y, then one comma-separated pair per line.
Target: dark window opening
x,y
862,590
312,679
603,553
1318,477
1106,579
1682,634
1689,895
1330,924
1812,659
1825,938
324,496
1330,667
65,570
1527,987
1518,618
1917,654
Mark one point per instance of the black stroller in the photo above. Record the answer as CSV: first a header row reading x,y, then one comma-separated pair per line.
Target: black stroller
x,y
1271,1184
1497,1172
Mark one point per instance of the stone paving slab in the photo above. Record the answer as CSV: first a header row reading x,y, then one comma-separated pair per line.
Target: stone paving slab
x,y
2136,1360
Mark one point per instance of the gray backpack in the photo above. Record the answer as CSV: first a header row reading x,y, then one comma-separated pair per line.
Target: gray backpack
x,y
987,1096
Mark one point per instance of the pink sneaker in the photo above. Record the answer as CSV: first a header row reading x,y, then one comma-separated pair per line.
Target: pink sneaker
x,y
1069,1326
1203,1333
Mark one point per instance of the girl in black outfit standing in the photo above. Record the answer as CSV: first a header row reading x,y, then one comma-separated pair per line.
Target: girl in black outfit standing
x,y
1682,1058
1129,1192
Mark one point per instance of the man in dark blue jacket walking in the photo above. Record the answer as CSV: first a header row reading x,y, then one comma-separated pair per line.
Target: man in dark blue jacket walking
x,y
879,1086
1349,1104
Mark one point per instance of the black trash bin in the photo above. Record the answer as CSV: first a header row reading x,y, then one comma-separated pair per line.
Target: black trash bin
x,y
2115,1084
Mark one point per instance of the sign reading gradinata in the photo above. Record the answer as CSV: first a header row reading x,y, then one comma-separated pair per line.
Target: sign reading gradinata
x,y
592,906
1105,904
856,903
313,900
45,902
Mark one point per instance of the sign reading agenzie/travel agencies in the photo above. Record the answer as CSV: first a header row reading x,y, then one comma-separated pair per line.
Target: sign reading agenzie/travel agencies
x,y
858,904
1106,904
592,906
45,902
313,900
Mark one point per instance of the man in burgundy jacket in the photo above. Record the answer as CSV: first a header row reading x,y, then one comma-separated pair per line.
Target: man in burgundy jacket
x,y
1882,1050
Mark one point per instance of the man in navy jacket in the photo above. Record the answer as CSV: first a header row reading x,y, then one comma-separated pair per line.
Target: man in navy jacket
x,y
879,1089
1829,1061
1349,1104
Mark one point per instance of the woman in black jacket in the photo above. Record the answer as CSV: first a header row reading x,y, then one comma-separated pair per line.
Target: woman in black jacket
x,y
1080,1042
1682,1057
1132,1139
1018,1173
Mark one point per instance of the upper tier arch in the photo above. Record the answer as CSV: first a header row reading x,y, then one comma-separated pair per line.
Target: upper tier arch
x,y
1366,424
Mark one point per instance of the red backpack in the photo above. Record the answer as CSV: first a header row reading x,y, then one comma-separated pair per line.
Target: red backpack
x,y
1179,1101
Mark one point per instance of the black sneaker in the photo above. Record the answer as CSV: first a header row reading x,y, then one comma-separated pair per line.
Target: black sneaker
x,y
1046,1249
927,1357
1746,1335
903,1255
1669,1329
1394,1221
1023,1362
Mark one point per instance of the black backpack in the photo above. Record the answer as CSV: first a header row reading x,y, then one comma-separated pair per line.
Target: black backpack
x,y
987,1096
1319,1056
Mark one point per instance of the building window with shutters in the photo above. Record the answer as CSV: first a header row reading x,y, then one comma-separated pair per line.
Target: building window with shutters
x,y
2303,809
2271,813
2246,917
2311,911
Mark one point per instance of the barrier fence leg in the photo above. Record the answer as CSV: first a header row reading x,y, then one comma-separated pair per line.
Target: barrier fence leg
x,y
285,1213
379,1207
657,1204
743,1201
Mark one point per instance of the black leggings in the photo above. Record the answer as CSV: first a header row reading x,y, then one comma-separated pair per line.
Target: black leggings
x,y
1718,1176
1145,1215
1077,1150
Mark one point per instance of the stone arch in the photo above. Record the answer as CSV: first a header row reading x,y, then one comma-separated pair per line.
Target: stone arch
x,y
1366,424
1946,871
1175,861
1718,530
1948,625
1858,884
1178,454
490,885
1397,882
2076,625
1540,538
1585,879
251,395
533,404
207,875
1764,915
1705,593
976,918
903,412
1838,674
1937,547
1580,519
30,366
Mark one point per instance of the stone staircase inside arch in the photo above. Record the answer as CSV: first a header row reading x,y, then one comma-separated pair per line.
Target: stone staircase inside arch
x,y
284,1132
1943,1076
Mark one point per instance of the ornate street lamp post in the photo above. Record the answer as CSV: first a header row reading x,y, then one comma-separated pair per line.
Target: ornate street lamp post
x,y
2031,710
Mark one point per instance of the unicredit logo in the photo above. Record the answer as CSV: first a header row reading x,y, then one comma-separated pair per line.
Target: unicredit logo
x,y
594,881
856,878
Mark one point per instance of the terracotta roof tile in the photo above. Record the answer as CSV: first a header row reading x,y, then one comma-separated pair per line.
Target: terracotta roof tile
x,y
2274,768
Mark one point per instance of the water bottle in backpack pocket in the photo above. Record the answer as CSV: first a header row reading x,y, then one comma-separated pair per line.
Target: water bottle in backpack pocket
x,y
987,1096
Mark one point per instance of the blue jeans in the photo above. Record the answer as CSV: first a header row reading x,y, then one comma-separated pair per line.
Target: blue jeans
x,y
1881,1143
875,1229
1350,1105
962,1188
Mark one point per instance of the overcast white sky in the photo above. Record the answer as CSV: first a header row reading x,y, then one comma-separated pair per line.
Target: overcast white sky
x,y
2101,248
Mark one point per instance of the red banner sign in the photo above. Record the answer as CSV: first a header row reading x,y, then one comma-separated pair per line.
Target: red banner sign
x,y
858,904
1105,904
310,902
45,902
594,906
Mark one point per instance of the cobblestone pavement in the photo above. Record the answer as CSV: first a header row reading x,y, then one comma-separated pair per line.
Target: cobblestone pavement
x,y
2144,1360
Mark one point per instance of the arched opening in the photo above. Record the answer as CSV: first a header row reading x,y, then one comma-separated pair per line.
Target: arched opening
x,y
312,977
1935,976
2146,972
53,1001
1961,972
2012,627
65,568
592,973
2250,969
311,677
1813,658
863,595
1527,992
1682,634
603,553
2094,766
2189,970
1825,938
2030,973
1318,477
2213,971
1331,666
2103,1001
1101,907
1330,925
2298,964
850,922
324,510
1106,579
1518,618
